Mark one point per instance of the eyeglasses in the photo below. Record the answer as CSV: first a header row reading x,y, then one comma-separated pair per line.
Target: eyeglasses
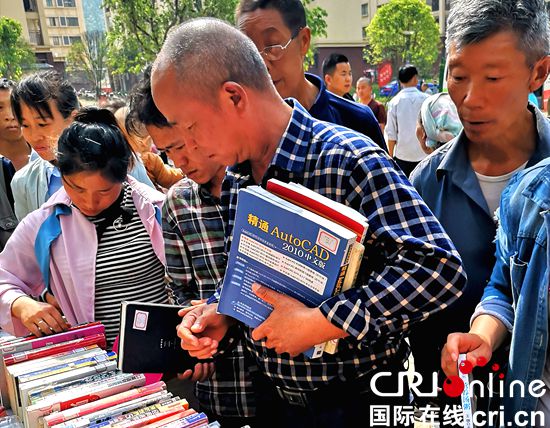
x,y
275,52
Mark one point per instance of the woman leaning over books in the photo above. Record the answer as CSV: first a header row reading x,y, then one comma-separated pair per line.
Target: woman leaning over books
x,y
95,242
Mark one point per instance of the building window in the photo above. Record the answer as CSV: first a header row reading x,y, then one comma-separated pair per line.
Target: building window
x,y
65,3
52,21
66,40
56,40
364,32
49,3
365,9
74,39
62,21
72,21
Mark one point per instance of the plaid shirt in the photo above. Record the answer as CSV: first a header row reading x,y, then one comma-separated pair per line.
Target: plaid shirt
x,y
196,261
410,268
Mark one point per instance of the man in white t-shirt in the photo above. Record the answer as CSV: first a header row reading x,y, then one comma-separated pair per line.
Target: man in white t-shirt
x,y
403,112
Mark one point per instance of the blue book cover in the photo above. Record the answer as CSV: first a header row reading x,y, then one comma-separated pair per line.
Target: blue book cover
x,y
286,248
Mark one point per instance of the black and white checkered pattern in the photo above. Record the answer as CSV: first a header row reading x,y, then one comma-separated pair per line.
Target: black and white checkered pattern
x,y
410,269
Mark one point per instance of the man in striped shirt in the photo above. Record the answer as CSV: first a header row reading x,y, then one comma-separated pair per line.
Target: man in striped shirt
x,y
195,256
212,85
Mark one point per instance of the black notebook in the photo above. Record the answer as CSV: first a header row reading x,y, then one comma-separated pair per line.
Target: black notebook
x,y
148,341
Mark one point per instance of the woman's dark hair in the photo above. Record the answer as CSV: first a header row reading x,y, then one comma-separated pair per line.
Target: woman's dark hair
x,y
37,89
94,142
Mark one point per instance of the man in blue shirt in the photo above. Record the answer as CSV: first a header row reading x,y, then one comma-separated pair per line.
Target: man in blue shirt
x,y
492,70
279,30
234,115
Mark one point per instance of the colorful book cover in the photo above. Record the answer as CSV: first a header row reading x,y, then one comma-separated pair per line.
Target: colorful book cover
x,y
286,248
13,371
103,418
148,339
27,343
81,395
100,367
65,415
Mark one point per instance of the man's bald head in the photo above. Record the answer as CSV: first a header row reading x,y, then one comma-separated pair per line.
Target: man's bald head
x,y
206,52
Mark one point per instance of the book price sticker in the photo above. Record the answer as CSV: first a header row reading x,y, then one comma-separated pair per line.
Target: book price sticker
x,y
465,396
140,320
327,241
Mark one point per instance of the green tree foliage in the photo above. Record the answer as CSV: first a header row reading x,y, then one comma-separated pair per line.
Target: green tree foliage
x,y
404,30
139,27
316,21
15,53
89,56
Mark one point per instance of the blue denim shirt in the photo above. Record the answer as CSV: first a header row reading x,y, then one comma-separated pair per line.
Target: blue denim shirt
x,y
517,293
449,186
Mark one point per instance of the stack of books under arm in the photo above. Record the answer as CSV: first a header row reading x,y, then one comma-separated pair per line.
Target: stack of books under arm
x,y
69,380
294,241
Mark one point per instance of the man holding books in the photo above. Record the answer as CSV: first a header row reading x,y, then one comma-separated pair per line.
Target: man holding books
x,y
210,82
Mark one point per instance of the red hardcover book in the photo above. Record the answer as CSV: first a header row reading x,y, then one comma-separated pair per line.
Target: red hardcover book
x,y
321,205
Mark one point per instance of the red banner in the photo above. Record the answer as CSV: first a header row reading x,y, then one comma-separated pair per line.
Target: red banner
x,y
384,74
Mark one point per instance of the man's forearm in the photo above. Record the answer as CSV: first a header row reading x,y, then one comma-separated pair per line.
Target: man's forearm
x,y
391,147
491,329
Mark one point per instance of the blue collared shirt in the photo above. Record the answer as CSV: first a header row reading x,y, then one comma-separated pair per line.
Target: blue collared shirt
x,y
334,109
410,267
448,184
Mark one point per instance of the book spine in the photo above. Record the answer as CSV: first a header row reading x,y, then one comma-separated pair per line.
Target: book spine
x,y
105,417
103,403
98,339
40,342
354,264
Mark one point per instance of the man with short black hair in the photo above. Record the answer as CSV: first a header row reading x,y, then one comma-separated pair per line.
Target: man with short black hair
x,y
337,74
403,112
279,30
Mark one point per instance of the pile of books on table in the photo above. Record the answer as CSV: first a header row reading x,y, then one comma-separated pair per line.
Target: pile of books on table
x,y
69,380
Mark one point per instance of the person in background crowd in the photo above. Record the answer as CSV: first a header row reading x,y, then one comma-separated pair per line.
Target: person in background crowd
x,y
279,30
424,87
438,122
8,221
162,175
337,75
116,217
366,96
498,54
195,257
12,144
403,112
234,115
44,105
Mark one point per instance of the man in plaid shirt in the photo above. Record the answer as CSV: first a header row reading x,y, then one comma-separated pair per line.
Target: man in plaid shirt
x,y
195,256
211,84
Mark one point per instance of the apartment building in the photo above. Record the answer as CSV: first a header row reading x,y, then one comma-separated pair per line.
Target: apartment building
x,y
50,26
347,22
